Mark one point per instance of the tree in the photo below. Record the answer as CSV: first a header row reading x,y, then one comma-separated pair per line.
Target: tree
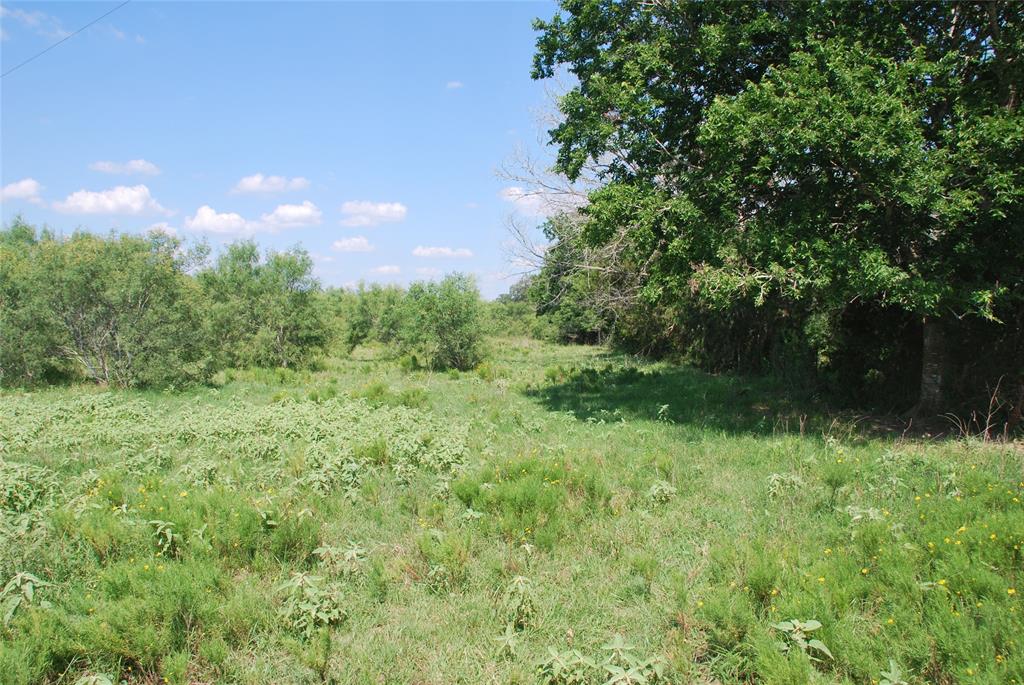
x,y
443,322
118,310
803,156
264,311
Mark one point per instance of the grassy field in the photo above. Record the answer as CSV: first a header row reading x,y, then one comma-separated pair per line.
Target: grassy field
x,y
560,515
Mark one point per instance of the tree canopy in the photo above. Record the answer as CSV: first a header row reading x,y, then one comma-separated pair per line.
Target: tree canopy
x,y
803,157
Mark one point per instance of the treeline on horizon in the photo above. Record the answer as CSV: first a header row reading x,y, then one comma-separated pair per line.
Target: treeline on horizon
x,y
145,311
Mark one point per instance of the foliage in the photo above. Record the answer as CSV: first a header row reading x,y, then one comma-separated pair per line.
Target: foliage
x,y
795,179
799,633
309,604
907,550
620,666
119,310
264,312
19,590
442,323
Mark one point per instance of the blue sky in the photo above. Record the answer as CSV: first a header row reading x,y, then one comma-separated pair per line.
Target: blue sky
x,y
368,133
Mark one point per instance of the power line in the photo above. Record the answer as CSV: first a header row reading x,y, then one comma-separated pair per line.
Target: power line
x,y
68,37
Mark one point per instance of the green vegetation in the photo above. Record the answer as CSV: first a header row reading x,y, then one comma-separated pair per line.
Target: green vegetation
x,y
563,515
827,189
215,470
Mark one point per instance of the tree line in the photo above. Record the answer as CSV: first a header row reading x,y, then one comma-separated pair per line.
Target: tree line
x,y
829,190
149,312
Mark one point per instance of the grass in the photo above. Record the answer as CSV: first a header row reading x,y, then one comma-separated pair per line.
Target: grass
x,y
372,523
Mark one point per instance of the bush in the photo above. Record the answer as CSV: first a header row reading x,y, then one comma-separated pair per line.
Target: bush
x,y
119,310
442,323
265,312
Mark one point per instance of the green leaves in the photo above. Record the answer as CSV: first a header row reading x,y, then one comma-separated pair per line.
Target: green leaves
x,y
19,590
798,633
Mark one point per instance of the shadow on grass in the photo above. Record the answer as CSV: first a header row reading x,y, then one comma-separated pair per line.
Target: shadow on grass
x,y
681,395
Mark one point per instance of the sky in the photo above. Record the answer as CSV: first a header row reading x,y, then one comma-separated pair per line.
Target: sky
x,y
369,134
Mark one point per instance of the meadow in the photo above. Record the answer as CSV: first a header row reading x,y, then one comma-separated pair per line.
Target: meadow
x,y
560,514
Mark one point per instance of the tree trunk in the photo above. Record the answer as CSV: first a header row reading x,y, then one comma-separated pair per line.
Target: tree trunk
x,y
932,399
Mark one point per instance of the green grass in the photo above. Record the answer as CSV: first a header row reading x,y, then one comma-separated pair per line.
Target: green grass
x,y
372,523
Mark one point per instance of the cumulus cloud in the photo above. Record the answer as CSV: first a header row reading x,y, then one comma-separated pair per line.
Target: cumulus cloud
x,y
258,183
282,218
357,244
449,252
387,270
26,189
454,85
119,200
363,213
132,166
292,216
210,220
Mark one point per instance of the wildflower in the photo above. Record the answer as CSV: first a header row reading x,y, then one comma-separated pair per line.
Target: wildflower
x,y
828,551
891,620
1011,591
183,494
821,579
865,571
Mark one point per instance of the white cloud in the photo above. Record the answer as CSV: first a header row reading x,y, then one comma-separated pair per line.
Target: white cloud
x,y
529,203
428,271
134,166
292,216
41,23
454,85
357,244
119,200
25,189
362,213
258,183
283,217
449,252
208,219
387,269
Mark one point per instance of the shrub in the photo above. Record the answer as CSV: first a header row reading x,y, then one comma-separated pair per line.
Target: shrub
x,y
443,323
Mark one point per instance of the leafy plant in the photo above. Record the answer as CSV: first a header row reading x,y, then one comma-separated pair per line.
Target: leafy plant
x,y
167,540
309,604
518,602
894,676
19,590
661,492
798,633
507,642
566,668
